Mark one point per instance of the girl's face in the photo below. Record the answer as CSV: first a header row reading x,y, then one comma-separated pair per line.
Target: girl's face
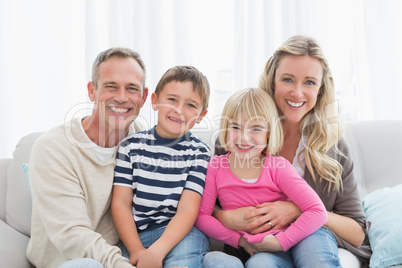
x,y
297,85
247,139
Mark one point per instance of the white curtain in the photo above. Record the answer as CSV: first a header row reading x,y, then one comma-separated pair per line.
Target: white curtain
x,y
47,48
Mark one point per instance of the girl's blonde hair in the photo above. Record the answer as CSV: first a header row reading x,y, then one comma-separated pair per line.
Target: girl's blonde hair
x,y
322,124
252,104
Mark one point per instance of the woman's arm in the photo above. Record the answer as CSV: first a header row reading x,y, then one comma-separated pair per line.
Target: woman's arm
x,y
346,228
346,218
233,219
255,219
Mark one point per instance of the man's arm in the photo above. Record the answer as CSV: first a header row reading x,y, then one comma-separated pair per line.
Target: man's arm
x,y
65,210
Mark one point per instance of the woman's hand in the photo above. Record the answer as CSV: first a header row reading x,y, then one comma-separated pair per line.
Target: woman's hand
x,y
279,213
234,219
256,219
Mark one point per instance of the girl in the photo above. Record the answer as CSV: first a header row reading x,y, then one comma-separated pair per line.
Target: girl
x,y
251,174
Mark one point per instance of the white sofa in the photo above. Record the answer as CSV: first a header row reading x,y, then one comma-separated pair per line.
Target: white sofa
x,y
376,148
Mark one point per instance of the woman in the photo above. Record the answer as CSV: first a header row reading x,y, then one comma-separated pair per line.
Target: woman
x,y
298,77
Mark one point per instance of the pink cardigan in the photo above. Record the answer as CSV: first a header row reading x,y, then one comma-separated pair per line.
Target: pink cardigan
x,y
277,181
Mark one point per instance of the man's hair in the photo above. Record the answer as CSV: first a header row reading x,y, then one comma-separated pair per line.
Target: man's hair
x,y
183,74
115,52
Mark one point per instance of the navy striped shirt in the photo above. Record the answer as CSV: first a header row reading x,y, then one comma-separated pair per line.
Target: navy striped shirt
x,y
158,170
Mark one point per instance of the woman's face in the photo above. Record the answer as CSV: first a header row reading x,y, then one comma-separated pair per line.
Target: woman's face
x,y
296,86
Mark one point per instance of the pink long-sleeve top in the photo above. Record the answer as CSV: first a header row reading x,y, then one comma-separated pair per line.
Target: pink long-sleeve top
x,y
277,181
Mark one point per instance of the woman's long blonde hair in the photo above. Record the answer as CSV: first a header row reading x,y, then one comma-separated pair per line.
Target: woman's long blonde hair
x,y
322,124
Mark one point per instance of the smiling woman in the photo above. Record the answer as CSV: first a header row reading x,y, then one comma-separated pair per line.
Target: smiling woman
x,y
230,46
297,85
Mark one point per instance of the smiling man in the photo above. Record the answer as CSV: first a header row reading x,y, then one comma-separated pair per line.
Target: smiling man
x,y
71,170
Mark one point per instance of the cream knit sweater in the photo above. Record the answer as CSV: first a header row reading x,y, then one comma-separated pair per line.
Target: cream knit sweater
x,y
71,191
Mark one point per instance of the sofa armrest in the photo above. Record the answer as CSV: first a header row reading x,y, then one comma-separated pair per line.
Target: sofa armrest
x,y
4,162
13,245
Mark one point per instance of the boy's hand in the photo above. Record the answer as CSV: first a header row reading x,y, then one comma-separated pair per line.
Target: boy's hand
x,y
151,258
135,257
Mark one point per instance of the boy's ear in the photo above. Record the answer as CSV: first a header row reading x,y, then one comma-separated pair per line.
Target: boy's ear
x,y
201,116
154,102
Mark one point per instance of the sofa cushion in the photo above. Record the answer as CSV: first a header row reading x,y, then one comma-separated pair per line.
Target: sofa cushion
x,y
13,246
25,169
383,209
18,199
380,147
3,188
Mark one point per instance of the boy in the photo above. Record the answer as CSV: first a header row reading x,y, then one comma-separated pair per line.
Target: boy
x,y
160,176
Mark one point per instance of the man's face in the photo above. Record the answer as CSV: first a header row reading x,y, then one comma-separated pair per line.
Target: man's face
x,y
119,93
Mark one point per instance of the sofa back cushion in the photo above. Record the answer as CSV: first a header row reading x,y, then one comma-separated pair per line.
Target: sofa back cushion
x,y
380,146
18,199
207,133
4,162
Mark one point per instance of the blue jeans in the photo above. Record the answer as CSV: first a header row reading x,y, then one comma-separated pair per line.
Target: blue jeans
x,y
320,249
187,253
81,263
317,250
218,259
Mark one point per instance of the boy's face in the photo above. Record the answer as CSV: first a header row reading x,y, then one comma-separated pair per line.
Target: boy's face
x,y
179,108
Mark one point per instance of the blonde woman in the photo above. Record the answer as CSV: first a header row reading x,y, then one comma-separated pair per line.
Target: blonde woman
x,y
298,77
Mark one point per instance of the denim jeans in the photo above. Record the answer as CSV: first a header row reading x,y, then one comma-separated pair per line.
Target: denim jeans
x,y
81,263
317,250
187,253
218,259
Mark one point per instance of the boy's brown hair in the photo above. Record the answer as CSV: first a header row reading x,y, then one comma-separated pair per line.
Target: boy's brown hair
x,y
186,73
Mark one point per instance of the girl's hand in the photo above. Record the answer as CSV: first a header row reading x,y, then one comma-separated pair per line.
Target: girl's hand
x,y
249,248
269,244
279,213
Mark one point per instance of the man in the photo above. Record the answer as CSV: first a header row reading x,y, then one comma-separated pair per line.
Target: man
x,y
71,169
